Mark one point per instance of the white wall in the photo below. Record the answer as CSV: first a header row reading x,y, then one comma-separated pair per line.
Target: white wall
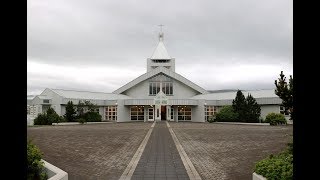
x,y
198,112
56,100
266,109
123,113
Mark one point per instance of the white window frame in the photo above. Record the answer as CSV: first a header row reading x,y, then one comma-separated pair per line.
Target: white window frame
x,y
182,113
111,113
209,111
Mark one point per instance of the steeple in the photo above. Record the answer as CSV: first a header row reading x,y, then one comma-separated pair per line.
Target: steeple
x,y
160,51
160,56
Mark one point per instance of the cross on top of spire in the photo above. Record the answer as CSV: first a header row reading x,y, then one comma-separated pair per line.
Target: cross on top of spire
x,y
160,27
161,33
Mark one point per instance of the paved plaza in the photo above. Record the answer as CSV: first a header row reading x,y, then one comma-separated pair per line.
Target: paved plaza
x,y
103,151
95,151
225,151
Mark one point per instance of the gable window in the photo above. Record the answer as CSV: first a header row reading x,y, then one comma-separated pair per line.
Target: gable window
x,y
46,101
164,81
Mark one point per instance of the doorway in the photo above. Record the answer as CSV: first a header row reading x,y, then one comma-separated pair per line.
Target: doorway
x,y
150,114
163,113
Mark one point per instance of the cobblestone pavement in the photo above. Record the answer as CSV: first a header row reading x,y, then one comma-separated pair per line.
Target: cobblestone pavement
x,y
224,151
85,152
160,158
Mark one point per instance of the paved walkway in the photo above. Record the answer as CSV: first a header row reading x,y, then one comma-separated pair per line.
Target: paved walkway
x,y
160,159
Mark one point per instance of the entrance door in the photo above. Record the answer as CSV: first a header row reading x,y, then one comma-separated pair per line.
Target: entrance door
x,y
150,114
163,113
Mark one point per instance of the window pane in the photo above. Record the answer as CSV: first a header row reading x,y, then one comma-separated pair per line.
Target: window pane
x,y
154,87
150,88
158,88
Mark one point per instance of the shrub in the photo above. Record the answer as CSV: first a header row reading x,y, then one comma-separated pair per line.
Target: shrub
x,y
35,167
92,117
48,118
41,119
227,114
81,120
277,167
275,119
212,118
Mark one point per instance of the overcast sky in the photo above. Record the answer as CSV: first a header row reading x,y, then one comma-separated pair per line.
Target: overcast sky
x,y
100,45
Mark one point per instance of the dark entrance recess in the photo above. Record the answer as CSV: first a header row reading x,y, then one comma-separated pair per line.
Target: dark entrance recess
x,y
163,113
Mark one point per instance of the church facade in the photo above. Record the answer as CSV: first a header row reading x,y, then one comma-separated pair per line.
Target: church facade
x,y
159,94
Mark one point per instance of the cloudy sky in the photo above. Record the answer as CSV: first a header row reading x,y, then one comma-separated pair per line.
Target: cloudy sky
x,y
100,45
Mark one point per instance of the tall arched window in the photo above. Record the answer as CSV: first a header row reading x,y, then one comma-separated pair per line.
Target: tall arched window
x,y
154,85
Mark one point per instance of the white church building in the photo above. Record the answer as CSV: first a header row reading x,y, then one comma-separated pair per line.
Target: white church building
x,y
159,94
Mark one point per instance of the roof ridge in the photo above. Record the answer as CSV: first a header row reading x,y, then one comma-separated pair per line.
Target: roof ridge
x,y
82,91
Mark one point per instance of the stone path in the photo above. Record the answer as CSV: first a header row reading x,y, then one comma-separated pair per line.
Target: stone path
x,y
160,159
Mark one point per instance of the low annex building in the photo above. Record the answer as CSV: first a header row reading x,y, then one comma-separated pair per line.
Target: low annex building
x,y
159,94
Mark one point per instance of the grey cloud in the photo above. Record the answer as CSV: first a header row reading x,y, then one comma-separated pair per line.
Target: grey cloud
x,y
124,33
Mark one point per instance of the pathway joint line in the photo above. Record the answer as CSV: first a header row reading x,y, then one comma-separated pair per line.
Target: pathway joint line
x,y
191,170
128,172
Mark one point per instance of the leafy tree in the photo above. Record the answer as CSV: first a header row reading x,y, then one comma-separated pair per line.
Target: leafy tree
x,y
253,110
70,112
91,107
239,105
285,92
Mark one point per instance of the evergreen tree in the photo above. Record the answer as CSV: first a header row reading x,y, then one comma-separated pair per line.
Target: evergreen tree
x,y
70,112
80,109
285,92
239,106
253,110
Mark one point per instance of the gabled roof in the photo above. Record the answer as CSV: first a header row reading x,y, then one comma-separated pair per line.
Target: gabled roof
x,y
265,93
157,71
160,52
72,94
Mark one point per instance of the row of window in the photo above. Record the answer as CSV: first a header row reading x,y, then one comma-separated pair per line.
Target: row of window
x,y
161,60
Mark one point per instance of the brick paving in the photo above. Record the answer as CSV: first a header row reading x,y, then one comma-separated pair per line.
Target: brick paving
x,y
97,151
160,158
224,151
